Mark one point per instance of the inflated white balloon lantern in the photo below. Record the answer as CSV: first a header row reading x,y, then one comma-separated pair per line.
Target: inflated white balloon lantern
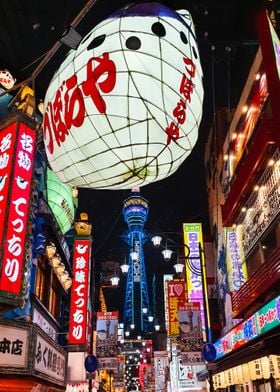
x,y
123,110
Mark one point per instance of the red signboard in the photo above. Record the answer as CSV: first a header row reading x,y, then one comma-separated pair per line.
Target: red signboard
x,y
18,159
79,293
7,142
176,294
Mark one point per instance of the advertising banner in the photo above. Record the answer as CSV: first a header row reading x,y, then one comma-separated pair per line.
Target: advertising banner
x,y
176,294
195,270
79,292
235,260
107,334
17,149
264,320
161,364
190,339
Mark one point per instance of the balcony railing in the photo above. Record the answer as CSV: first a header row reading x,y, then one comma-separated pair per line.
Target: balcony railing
x,y
258,285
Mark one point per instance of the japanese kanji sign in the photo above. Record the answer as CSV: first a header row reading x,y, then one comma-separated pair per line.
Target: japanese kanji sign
x,y
176,294
79,292
17,148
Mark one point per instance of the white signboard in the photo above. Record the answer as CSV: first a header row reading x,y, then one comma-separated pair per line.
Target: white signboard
x,y
108,363
13,346
44,324
49,360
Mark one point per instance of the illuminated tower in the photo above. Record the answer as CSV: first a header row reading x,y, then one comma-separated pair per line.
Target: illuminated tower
x,y
135,211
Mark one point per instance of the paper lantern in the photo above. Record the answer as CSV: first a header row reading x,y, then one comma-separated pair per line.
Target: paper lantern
x,y
265,367
255,369
221,380
235,376
246,372
124,109
239,373
60,201
274,362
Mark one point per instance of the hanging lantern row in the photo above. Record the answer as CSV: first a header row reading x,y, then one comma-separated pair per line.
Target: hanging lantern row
x,y
260,368
58,266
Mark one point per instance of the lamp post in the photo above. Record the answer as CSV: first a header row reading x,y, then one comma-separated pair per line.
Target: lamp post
x,y
198,270
195,269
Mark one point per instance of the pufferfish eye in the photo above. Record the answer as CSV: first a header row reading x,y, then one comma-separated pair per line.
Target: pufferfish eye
x,y
158,29
183,37
133,43
194,52
97,41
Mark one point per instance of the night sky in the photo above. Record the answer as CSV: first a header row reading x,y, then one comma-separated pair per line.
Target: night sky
x,y
226,33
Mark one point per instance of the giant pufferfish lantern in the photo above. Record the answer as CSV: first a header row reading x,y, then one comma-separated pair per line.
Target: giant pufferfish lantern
x,y
123,110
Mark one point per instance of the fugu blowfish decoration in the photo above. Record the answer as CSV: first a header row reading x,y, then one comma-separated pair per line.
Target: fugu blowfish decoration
x,y
123,110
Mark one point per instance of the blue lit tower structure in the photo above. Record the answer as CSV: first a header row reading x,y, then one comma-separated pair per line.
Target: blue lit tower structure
x,y
135,211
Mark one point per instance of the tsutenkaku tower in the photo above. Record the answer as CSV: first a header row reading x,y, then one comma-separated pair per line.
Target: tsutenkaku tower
x,y
135,212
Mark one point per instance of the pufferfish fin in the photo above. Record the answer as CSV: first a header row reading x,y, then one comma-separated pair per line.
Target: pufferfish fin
x,y
187,16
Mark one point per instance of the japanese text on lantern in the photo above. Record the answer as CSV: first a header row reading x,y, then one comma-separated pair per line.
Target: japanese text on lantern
x,y
14,248
79,294
67,109
179,112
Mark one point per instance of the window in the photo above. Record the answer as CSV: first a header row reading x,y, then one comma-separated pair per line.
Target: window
x,y
47,288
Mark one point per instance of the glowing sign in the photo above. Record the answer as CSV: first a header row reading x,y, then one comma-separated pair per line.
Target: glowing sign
x,y
20,157
276,46
196,285
79,292
6,79
123,110
60,201
176,293
265,319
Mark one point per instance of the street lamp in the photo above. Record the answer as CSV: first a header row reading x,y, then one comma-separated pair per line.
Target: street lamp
x,y
195,268
115,281
124,268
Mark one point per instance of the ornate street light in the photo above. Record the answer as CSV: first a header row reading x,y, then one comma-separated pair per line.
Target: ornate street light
x,y
156,240
115,281
124,268
179,267
195,263
167,253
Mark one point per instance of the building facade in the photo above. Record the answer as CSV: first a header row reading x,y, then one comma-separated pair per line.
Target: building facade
x,y
243,179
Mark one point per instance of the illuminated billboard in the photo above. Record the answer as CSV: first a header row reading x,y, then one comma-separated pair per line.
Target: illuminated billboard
x,y
195,270
78,323
17,149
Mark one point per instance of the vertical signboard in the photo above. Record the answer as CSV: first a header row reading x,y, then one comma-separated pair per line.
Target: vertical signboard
x,y
79,294
107,334
176,294
236,266
166,279
17,149
195,270
191,342
161,365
